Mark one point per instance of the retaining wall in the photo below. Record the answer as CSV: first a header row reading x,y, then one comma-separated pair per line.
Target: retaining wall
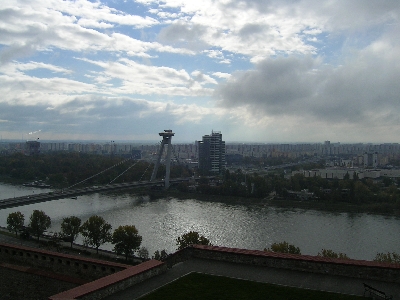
x,y
111,284
316,264
82,267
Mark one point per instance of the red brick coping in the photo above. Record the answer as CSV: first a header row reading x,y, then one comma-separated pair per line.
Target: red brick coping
x,y
305,258
108,281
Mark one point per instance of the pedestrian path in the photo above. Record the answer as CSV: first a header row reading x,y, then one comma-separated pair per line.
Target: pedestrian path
x,y
77,248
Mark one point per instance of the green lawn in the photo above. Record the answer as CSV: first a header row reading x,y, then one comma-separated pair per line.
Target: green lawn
x,y
202,286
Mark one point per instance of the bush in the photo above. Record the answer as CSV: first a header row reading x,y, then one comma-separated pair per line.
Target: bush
x,y
329,253
191,238
392,258
283,247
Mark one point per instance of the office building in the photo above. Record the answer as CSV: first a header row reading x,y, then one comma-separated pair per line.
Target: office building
x,y
212,153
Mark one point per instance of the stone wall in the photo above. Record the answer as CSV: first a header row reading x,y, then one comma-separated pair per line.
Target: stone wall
x,y
316,264
82,267
111,284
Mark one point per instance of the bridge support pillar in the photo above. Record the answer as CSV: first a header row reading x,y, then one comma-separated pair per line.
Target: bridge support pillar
x,y
167,136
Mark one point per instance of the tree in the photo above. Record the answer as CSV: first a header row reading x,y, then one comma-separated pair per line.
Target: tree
x,y
70,227
96,231
127,240
143,253
160,255
15,221
393,258
39,222
191,238
329,253
283,247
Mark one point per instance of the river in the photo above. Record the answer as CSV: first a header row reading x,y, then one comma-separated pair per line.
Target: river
x,y
161,221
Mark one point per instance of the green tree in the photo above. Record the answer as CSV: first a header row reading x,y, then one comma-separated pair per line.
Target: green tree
x,y
191,238
15,221
39,222
283,247
70,227
143,253
96,231
127,240
329,253
393,258
160,255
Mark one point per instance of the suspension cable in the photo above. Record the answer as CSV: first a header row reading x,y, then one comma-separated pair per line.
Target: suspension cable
x,y
124,172
117,164
145,172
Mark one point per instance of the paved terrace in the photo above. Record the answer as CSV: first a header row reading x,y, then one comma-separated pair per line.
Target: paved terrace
x,y
311,272
308,280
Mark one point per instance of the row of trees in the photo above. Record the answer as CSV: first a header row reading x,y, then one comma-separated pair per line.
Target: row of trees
x,y
351,189
95,231
63,169
285,247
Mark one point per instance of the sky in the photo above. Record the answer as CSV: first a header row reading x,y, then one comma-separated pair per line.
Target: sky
x,y
265,71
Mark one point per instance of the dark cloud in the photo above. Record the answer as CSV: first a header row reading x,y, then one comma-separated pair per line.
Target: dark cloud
x,y
347,15
252,31
365,90
271,87
184,35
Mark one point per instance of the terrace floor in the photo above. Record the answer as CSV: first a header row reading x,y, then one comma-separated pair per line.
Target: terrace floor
x,y
306,280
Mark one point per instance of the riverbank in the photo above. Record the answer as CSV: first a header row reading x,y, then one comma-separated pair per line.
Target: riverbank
x,y
385,209
46,242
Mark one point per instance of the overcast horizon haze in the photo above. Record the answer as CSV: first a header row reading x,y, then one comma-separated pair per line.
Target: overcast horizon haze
x,y
258,71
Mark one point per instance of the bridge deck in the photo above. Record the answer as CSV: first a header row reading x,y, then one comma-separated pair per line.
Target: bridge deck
x,y
43,197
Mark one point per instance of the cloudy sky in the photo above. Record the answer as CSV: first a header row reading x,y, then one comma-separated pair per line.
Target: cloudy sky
x,y
256,70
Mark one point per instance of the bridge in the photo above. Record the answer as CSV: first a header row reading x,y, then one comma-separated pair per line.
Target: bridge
x,y
71,193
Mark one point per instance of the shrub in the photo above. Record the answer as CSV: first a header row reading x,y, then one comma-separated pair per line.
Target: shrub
x,y
283,247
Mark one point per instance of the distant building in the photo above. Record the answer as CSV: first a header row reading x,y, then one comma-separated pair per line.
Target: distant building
x,y
370,160
212,153
32,147
233,159
340,173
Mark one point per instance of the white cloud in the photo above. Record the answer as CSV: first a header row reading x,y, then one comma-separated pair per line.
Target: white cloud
x,y
148,80
330,66
37,65
26,29
259,29
222,75
94,24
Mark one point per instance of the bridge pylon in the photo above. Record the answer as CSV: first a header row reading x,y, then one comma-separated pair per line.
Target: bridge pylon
x,y
167,136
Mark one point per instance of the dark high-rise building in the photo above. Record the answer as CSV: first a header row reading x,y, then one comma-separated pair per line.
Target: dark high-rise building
x,y
212,153
32,147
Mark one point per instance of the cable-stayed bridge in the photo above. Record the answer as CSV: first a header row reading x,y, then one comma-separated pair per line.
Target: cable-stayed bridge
x,y
70,193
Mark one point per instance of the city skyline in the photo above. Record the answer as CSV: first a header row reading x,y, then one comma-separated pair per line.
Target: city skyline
x,y
258,71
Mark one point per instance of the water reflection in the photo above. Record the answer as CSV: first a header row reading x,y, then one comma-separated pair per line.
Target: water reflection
x,y
161,221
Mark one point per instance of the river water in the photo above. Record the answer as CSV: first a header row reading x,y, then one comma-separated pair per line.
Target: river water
x,y
161,221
